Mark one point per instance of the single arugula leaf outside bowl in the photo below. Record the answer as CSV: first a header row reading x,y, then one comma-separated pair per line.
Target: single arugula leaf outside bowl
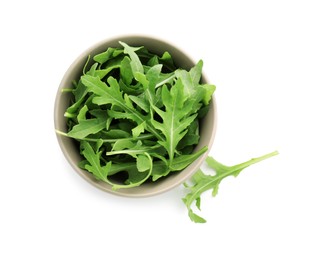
x,y
70,147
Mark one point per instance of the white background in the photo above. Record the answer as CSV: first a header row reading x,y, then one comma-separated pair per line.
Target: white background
x,y
272,62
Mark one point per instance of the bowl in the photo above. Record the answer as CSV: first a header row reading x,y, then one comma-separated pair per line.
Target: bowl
x,y
70,148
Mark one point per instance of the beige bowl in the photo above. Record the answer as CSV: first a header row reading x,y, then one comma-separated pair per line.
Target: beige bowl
x,y
70,149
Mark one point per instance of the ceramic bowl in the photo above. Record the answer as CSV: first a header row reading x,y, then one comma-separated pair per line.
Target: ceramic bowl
x,y
69,146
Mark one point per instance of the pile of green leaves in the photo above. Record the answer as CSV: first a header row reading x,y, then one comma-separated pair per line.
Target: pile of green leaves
x,y
136,115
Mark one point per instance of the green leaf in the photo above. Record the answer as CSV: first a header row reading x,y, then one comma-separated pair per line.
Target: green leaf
x,y
149,83
115,134
167,60
110,53
94,160
105,94
209,91
126,71
141,103
123,144
92,69
111,64
176,117
143,163
102,73
190,79
87,127
135,61
153,61
80,91
161,169
139,129
165,79
202,182
195,218
140,77
188,140
82,114
130,89
192,136
153,77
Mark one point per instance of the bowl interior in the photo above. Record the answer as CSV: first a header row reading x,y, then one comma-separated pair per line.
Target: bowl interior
x,y
69,146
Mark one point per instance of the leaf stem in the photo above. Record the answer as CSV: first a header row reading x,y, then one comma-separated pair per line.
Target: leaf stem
x,y
65,90
255,160
134,151
141,137
165,81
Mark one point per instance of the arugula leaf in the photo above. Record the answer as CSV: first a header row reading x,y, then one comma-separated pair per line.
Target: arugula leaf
x,y
190,79
135,63
202,182
209,90
130,89
139,129
110,53
153,61
80,91
87,127
126,73
94,166
167,60
141,103
192,136
143,163
149,82
82,114
176,117
105,94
